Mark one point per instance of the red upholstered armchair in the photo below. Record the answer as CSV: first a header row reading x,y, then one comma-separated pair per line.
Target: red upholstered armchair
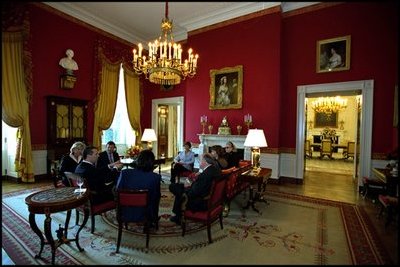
x,y
233,185
132,198
95,209
214,208
185,173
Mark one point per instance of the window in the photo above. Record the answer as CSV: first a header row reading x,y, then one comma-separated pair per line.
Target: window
x,y
8,151
121,132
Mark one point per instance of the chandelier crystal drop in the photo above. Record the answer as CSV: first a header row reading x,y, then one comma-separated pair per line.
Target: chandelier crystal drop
x,y
329,105
164,64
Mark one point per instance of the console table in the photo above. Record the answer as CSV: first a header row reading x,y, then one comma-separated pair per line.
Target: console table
x,y
52,201
259,178
392,182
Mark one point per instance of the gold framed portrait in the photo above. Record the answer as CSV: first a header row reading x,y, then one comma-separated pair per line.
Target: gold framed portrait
x,y
322,120
226,88
333,54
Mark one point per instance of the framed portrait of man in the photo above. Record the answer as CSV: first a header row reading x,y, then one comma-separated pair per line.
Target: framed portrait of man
x,y
226,88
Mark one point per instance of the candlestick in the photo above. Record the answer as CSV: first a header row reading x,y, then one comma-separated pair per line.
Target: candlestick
x,y
248,121
210,128
239,129
203,122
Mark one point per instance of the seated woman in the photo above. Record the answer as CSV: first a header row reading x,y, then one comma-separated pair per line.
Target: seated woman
x,y
218,153
183,162
71,160
142,177
231,155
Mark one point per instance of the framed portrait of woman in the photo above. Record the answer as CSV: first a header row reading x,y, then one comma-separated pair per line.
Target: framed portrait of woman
x,y
333,54
226,88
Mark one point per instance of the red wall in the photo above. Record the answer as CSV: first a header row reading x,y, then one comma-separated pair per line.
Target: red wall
x,y
277,53
52,35
374,55
228,47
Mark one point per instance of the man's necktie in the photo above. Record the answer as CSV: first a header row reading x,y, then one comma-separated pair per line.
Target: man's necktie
x,y
110,156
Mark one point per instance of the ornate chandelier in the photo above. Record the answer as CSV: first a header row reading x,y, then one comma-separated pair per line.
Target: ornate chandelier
x,y
164,63
329,105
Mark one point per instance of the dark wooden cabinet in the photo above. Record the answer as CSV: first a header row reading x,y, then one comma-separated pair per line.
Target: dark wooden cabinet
x,y
67,123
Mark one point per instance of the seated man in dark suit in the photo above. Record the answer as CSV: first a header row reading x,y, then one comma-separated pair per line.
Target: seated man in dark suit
x,y
98,179
197,191
108,156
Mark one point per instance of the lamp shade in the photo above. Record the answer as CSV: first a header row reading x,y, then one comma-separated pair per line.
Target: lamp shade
x,y
255,138
149,135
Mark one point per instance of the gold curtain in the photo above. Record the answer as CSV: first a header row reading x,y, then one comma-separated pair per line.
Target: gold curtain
x,y
132,94
105,106
15,103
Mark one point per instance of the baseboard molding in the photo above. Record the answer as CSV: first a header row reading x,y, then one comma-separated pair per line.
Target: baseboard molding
x,y
285,180
18,180
11,179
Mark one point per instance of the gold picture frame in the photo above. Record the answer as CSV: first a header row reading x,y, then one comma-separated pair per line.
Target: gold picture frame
x,y
226,88
333,54
322,120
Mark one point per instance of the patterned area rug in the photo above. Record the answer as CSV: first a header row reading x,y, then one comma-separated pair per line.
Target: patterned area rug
x,y
291,229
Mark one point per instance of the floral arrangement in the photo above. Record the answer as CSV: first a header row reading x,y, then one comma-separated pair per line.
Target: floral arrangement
x,y
133,151
329,133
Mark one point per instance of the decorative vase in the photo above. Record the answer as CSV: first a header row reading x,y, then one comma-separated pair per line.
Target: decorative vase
x,y
210,128
239,129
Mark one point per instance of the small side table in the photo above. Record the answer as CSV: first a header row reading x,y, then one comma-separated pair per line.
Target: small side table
x,y
158,162
52,201
260,178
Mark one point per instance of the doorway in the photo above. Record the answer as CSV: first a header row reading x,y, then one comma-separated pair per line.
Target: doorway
x,y
365,129
342,127
167,118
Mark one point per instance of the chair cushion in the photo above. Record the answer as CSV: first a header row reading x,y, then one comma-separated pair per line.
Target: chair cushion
x,y
388,200
204,215
370,181
227,171
103,207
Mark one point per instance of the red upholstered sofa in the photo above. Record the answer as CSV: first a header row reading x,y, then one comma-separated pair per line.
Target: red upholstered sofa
x,y
234,186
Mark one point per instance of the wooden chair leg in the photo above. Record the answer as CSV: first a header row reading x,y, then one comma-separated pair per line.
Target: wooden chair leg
x,y
147,230
92,229
119,236
77,217
183,224
209,232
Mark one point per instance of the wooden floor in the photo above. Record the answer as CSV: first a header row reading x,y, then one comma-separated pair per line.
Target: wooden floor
x,y
325,185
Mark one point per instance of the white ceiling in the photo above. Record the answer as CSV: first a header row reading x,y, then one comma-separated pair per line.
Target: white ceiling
x,y
139,22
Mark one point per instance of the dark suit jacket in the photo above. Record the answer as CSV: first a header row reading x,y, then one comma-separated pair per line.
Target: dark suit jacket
x,y
138,179
96,179
67,165
201,188
103,159
233,159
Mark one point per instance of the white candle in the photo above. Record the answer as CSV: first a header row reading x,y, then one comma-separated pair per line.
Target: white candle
x,y
140,50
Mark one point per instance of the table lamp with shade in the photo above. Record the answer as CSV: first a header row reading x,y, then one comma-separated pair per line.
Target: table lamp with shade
x,y
255,139
149,135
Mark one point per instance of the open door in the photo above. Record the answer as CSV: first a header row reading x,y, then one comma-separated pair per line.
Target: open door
x,y
162,134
